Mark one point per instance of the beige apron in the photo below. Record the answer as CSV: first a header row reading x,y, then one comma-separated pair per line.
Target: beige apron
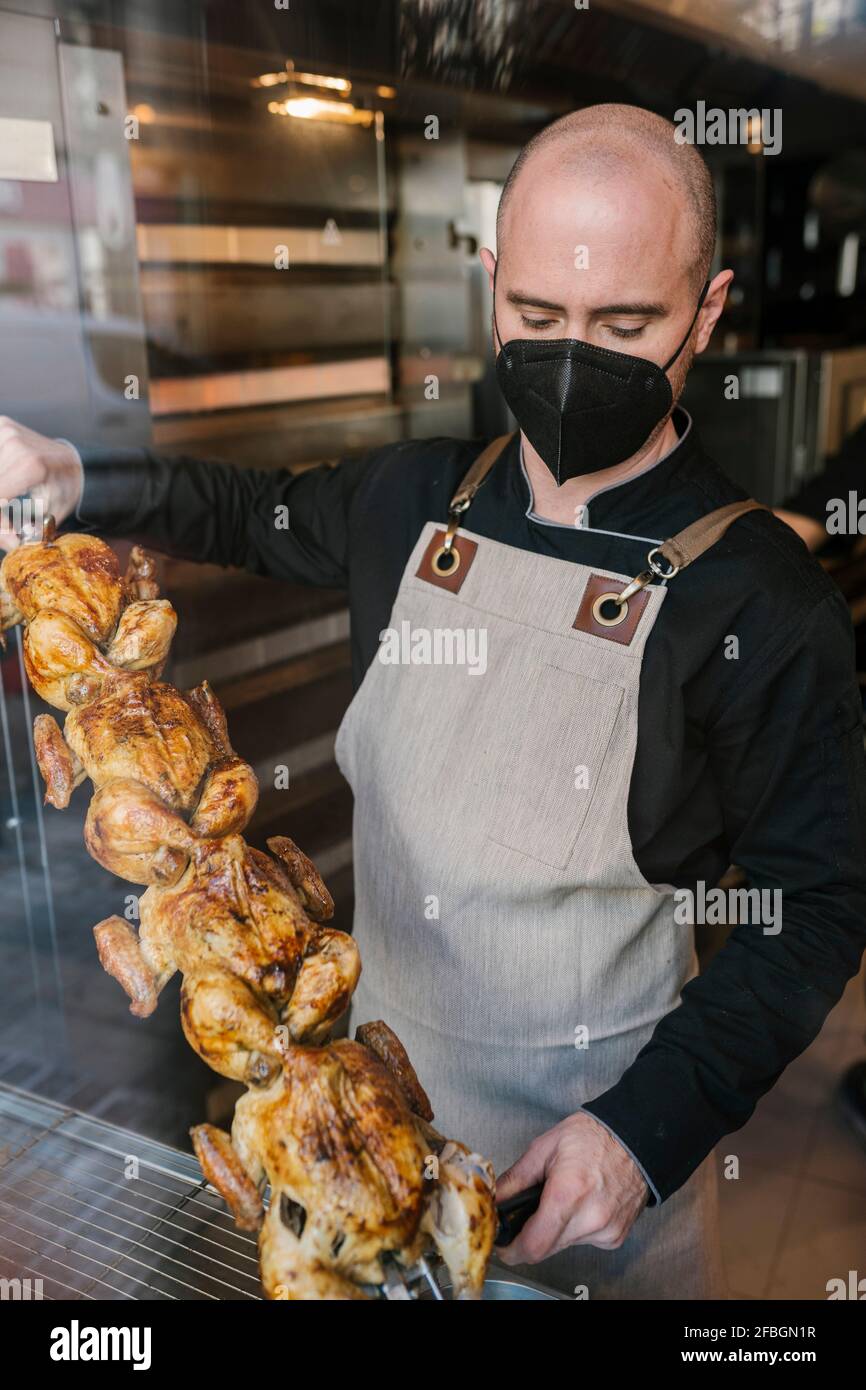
x,y
507,934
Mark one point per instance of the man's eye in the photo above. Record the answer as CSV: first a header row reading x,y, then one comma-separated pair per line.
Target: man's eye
x,y
626,332
537,323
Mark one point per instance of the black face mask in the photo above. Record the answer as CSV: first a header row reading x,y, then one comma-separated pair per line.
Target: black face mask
x,y
583,408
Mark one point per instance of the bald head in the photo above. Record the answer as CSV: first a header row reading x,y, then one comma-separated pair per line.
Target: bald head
x,y
627,144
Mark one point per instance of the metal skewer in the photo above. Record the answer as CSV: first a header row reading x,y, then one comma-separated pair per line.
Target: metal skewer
x,y
400,1283
431,1280
395,1287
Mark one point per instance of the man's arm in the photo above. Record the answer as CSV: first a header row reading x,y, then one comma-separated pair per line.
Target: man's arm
x,y
787,753
806,512
287,526
283,525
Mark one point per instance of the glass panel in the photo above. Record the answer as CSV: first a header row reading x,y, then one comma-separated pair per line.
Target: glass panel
x,y
195,218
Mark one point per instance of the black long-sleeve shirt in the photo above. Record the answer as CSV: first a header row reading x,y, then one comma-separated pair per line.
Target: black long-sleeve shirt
x,y
756,760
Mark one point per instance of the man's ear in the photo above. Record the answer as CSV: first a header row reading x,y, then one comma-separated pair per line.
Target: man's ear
x,y
488,260
712,307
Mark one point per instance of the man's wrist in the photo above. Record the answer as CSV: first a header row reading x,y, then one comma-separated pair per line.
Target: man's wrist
x,y
71,481
654,1197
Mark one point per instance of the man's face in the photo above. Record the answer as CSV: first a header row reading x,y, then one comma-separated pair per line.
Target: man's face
x,y
604,256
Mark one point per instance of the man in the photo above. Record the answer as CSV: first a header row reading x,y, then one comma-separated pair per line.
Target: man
x,y
519,835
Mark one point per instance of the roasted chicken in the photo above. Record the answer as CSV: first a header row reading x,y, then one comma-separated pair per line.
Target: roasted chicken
x,y
340,1131
82,621
258,972
170,796
94,645
356,1176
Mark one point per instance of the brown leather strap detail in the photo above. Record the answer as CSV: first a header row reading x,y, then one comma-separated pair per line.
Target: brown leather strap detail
x,y
465,550
687,545
596,586
478,472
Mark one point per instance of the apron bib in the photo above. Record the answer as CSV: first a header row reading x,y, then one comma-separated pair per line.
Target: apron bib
x,y
507,934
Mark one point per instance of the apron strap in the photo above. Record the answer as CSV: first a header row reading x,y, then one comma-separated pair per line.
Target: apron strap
x,y
688,544
462,500
677,552
477,473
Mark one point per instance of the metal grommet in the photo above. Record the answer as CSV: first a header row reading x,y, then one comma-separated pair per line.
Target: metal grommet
x,y
622,610
450,552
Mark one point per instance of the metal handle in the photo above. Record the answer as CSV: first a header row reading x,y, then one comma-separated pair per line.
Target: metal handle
x,y
515,1211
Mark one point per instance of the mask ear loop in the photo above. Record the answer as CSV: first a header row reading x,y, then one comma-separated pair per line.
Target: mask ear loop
x,y
495,324
671,360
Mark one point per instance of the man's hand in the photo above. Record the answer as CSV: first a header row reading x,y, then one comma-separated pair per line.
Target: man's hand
x,y
593,1191
32,465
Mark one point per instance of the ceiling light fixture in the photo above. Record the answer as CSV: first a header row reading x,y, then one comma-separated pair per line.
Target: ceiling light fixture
x,y
315,109
307,79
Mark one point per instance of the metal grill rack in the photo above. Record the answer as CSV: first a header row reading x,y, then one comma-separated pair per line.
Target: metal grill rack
x,y
97,1212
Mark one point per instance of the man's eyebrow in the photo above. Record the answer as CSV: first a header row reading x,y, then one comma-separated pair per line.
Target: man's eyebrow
x,y
640,310
649,311
518,297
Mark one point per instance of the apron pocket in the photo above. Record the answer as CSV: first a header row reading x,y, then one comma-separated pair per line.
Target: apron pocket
x,y
544,762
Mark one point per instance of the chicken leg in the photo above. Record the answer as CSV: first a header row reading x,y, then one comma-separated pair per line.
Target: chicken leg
x,y
224,1170
460,1217
233,1030
130,831
143,637
324,987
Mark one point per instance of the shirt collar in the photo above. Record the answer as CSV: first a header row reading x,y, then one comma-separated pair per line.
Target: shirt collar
x,y
635,502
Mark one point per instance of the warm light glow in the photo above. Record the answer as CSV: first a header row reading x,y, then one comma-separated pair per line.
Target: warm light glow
x,y
388,93
144,113
308,79
312,79
315,109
